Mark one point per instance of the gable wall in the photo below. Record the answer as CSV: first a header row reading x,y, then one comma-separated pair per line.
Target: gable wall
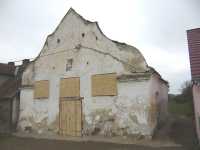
x,y
126,113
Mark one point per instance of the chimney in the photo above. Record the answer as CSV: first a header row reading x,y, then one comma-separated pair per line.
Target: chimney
x,y
11,63
25,62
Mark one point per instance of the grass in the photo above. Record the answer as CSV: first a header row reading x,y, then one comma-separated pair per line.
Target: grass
x,y
4,137
181,109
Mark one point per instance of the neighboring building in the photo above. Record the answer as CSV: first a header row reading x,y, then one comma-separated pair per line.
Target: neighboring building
x,y
6,72
194,53
83,83
6,75
10,81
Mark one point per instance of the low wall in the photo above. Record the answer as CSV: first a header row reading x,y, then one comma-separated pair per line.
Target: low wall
x,y
5,115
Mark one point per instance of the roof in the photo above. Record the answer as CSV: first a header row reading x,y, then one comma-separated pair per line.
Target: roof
x,y
156,72
6,69
9,88
194,52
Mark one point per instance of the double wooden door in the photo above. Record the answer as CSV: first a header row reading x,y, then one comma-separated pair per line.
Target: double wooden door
x,y
70,107
70,117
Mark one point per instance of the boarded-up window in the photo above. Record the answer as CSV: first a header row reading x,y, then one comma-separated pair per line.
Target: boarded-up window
x,y
70,87
104,85
41,89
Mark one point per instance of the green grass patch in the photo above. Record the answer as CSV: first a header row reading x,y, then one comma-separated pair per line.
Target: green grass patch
x,y
4,137
182,109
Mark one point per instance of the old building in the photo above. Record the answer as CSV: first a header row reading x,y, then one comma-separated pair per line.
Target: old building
x,y
194,53
83,83
10,81
6,78
6,71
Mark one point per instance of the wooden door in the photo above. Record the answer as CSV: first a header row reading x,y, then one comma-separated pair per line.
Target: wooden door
x,y
70,107
70,117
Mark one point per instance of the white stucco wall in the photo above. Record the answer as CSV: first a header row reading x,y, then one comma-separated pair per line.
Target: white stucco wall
x,y
124,114
158,97
15,110
131,99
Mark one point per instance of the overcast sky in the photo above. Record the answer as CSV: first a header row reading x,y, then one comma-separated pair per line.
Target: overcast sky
x,y
156,27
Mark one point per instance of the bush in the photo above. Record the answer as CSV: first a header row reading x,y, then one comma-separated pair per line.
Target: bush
x,y
182,104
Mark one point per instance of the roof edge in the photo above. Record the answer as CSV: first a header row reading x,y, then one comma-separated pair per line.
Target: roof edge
x,y
163,80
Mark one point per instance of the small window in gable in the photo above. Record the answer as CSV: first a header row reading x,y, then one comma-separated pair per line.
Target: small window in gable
x,y
41,89
83,34
104,84
69,64
58,40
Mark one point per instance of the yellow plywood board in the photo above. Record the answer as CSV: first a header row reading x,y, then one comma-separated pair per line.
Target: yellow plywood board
x,y
70,87
41,89
79,118
70,117
104,84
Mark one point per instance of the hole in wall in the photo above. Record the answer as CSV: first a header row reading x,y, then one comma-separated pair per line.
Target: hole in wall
x,y
96,38
83,35
58,40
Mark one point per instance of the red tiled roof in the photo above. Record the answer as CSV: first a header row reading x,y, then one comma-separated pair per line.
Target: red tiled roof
x,y
6,69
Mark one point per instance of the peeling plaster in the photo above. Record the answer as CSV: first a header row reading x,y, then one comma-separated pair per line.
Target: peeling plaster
x,y
129,113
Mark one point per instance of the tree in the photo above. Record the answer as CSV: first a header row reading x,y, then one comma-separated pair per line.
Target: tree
x,y
186,91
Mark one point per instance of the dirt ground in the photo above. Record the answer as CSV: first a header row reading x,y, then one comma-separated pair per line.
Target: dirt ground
x,y
180,130
16,143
